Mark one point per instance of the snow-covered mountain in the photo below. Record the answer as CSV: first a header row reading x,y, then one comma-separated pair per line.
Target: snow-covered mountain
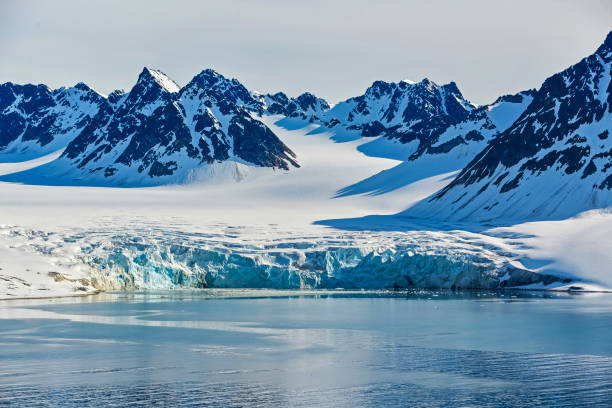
x,y
404,111
35,120
470,135
448,150
555,160
160,133
306,106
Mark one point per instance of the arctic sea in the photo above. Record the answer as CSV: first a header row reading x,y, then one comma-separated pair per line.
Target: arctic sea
x,y
252,348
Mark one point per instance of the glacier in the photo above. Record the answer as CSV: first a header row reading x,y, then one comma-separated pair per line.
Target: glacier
x,y
229,257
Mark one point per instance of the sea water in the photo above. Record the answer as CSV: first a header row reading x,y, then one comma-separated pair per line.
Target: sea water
x,y
320,348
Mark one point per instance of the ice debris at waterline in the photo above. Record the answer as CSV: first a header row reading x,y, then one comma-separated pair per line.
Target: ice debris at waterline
x,y
230,257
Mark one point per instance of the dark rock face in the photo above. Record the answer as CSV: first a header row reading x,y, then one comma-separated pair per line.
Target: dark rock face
x,y
159,129
37,120
255,143
225,93
559,144
403,111
276,103
116,97
479,127
306,106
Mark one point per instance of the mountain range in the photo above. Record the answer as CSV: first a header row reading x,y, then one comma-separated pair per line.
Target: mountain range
x,y
156,133
537,153
36,120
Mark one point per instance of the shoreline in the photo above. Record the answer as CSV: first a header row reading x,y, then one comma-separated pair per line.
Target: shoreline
x,y
314,291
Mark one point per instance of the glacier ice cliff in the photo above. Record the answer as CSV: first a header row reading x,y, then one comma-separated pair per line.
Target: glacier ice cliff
x,y
228,257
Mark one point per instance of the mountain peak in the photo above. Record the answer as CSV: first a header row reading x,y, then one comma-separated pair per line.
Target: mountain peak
x,y
228,93
308,100
278,95
209,76
452,87
306,95
210,72
82,86
427,82
149,75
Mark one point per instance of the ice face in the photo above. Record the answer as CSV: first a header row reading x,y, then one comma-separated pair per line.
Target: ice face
x,y
163,267
227,257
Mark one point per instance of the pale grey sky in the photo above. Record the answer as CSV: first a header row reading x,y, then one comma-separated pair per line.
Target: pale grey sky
x,y
334,49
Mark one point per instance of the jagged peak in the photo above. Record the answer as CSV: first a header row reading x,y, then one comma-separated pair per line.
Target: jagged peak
x,y
31,89
427,84
406,84
278,97
209,77
310,98
279,94
210,72
82,86
222,89
381,85
27,85
148,75
452,87
379,88
307,95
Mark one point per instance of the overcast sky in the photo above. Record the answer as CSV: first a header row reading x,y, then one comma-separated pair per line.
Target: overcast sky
x,y
334,49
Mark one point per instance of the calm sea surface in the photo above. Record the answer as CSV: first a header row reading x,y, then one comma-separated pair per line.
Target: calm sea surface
x,y
252,348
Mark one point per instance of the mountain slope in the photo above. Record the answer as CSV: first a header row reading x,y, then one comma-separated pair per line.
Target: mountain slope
x,y
554,161
160,133
35,120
